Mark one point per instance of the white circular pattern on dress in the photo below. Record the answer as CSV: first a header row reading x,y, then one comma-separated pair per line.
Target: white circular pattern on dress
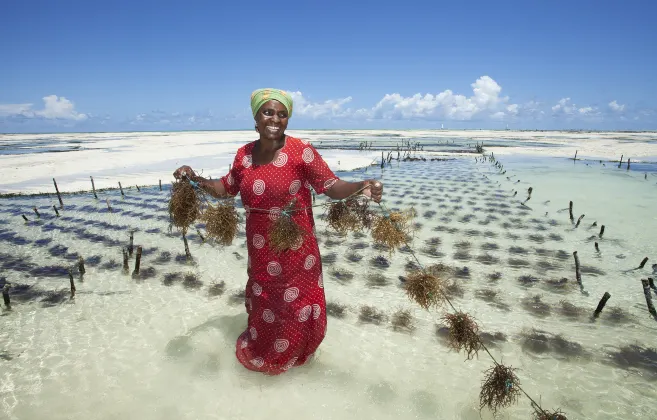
x,y
258,241
244,344
268,316
258,362
304,141
254,333
307,155
291,294
291,363
247,161
274,213
274,268
281,344
258,187
329,183
316,310
229,179
281,160
320,282
304,313
307,184
295,186
257,289
310,262
297,244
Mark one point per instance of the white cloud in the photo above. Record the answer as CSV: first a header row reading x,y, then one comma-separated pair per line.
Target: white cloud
x,y
485,99
615,106
327,109
55,108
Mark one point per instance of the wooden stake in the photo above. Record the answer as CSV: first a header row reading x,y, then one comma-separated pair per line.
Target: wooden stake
x,y
5,296
24,218
628,164
200,236
578,273
108,205
570,210
137,262
56,211
132,241
37,212
643,262
575,155
160,185
187,253
596,247
620,162
121,188
602,230
126,267
601,304
137,188
59,196
81,268
651,282
646,293
70,276
579,220
93,187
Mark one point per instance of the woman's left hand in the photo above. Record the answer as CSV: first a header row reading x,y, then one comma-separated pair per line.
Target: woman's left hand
x,y
374,190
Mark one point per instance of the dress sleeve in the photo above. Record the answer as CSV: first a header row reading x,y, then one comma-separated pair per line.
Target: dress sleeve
x,y
316,171
233,178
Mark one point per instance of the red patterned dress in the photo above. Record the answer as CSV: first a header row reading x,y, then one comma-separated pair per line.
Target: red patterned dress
x,y
285,292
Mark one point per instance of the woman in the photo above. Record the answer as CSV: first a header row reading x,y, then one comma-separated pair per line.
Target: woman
x,y
285,291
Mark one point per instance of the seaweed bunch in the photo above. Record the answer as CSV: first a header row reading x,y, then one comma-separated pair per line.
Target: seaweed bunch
x,y
463,333
350,215
500,388
221,222
541,414
402,320
392,230
184,205
425,289
284,233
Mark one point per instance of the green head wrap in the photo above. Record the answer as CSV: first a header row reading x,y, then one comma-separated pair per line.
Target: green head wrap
x,y
261,96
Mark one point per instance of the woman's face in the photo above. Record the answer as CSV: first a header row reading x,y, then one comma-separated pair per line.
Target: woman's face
x,y
271,120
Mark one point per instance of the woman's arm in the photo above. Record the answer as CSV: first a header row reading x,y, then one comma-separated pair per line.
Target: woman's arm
x,y
343,189
214,187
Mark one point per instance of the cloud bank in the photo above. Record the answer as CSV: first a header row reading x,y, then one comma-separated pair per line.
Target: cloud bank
x,y
482,105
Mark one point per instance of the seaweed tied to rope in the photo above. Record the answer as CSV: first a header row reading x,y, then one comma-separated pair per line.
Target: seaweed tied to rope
x,y
501,388
185,205
463,333
350,215
392,230
221,221
425,289
284,232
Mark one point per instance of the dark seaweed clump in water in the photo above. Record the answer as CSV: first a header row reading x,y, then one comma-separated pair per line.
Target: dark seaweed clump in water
x,y
454,290
462,256
217,289
343,276
540,342
171,278
569,310
535,306
164,257
50,271
359,245
488,259
237,298
495,276
518,250
371,315
492,340
110,265
336,310
380,262
616,315
329,258
517,262
353,257
636,357
528,280
403,321
489,246
377,280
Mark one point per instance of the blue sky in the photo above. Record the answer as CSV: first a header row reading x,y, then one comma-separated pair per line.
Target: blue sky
x,y
146,65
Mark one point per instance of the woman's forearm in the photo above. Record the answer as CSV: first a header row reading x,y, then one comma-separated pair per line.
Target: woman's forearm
x,y
343,189
214,187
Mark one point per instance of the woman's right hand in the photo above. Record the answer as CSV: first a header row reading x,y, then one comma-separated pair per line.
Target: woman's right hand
x,y
183,171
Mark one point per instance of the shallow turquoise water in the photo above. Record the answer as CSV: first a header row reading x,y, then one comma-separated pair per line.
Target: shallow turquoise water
x,y
162,346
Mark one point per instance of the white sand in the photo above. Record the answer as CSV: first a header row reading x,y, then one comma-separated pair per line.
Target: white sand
x,y
134,158
145,158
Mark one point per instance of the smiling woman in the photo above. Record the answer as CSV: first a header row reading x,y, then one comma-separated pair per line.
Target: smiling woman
x,y
284,293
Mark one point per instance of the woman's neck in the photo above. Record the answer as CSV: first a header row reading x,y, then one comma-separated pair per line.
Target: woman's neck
x,y
270,146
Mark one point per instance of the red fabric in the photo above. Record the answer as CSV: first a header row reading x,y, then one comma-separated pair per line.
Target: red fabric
x,y
285,292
